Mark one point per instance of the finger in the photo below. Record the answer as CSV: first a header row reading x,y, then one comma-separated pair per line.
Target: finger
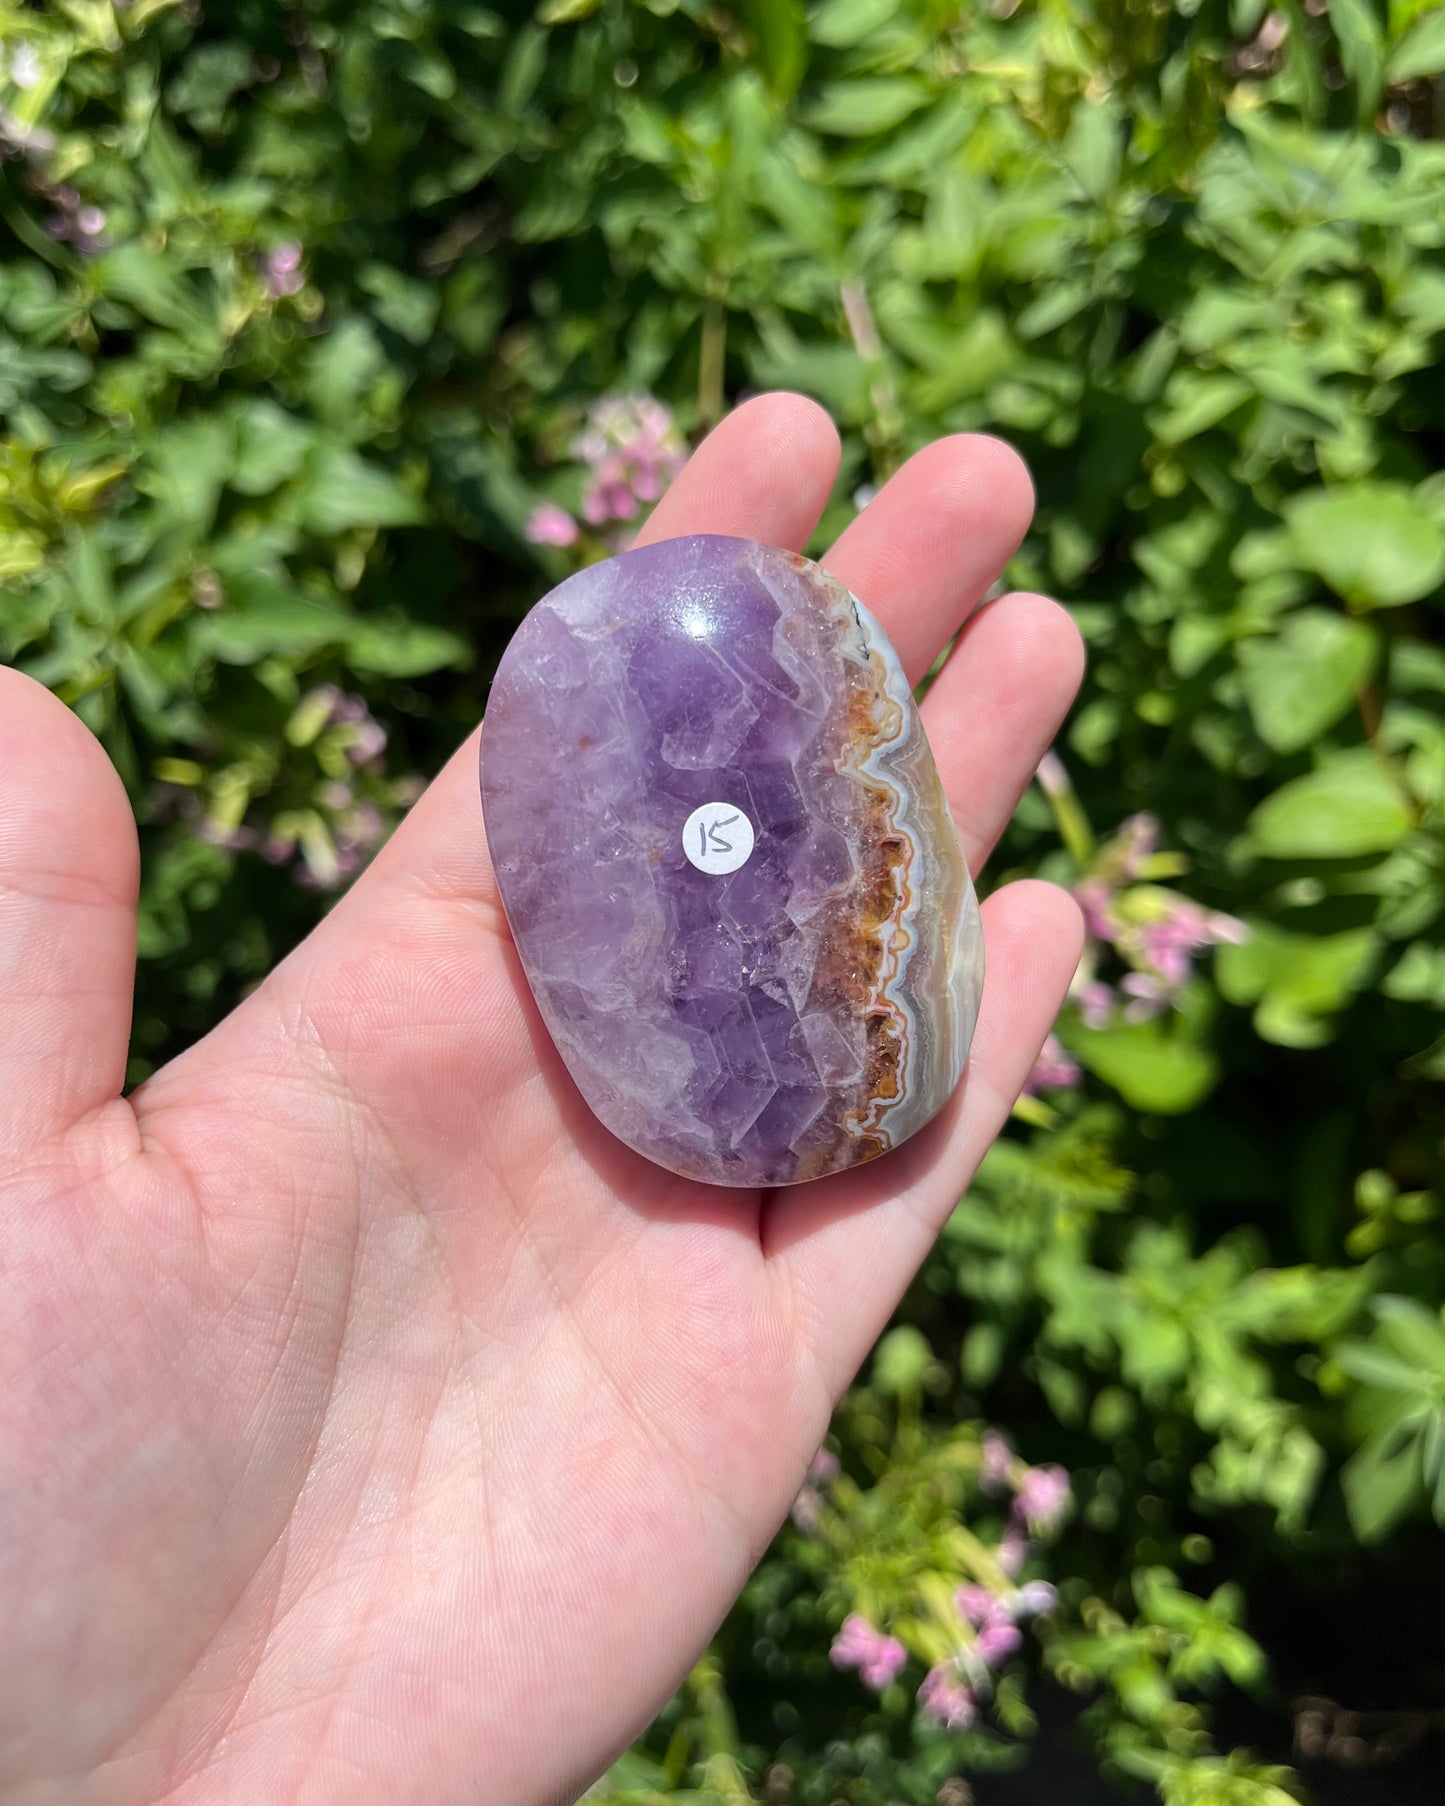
x,y
765,473
69,872
845,1248
994,709
925,550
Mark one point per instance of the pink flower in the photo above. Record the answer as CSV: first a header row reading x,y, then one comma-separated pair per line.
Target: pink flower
x,y
74,221
879,1659
1136,842
19,139
946,1699
993,1618
1096,1004
1186,930
1148,995
807,1511
549,525
884,1666
365,826
1052,776
823,1467
634,450
976,1604
609,496
1034,1600
1166,947
1012,1551
1042,1496
808,1506
281,270
1054,1070
232,840
1095,897
996,1640
854,1642
997,1460
367,741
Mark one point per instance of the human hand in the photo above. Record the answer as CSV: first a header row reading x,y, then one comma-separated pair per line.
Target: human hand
x,y
373,1425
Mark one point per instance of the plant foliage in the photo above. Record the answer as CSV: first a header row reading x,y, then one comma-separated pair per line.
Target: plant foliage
x,y
305,310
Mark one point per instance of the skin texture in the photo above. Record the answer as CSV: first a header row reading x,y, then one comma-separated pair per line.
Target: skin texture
x,y
373,1426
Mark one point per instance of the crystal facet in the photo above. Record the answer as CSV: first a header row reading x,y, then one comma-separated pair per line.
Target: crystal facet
x,y
727,862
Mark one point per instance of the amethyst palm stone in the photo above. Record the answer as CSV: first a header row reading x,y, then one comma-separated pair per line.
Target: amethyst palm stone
x,y
727,862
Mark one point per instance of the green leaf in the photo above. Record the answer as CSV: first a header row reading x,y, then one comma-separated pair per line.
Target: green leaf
x,y
1357,31
1375,544
1370,1365
404,648
981,1357
157,290
1419,1334
1419,976
1346,808
187,469
407,306
779,30
523,69
208,79
345,491
271,445
902,1361
1303,680
263,618
1094,146
1297,980
1382,1481
1153,1065
1196,400
343,367
1422,49
842,23
863,107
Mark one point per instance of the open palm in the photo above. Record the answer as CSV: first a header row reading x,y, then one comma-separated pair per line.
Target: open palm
x,y
373,1426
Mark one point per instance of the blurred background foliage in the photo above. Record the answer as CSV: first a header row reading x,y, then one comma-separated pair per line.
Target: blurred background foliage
x,y
326,333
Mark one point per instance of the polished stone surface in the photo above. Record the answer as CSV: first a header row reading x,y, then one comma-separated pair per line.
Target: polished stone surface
x,y
727,862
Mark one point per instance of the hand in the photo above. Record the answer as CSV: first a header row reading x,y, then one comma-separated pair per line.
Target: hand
x,y
373,1426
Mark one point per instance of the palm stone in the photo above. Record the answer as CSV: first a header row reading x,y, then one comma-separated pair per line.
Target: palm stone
x,y
727,862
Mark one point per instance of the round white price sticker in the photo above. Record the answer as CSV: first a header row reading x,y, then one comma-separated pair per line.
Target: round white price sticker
x,y
717,838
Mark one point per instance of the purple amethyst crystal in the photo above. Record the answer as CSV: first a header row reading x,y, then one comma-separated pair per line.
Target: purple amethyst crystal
x,y
727,862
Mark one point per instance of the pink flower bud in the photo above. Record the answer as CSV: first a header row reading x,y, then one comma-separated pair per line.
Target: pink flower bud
x,y
975,1604
997,1460
879,1659
997,1640
549,525
823,1467
884,1666
1043,1496
1054,1070
1034,1599
1012,1551
946,1699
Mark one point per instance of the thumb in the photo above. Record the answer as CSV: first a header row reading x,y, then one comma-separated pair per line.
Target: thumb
x,y
69,871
